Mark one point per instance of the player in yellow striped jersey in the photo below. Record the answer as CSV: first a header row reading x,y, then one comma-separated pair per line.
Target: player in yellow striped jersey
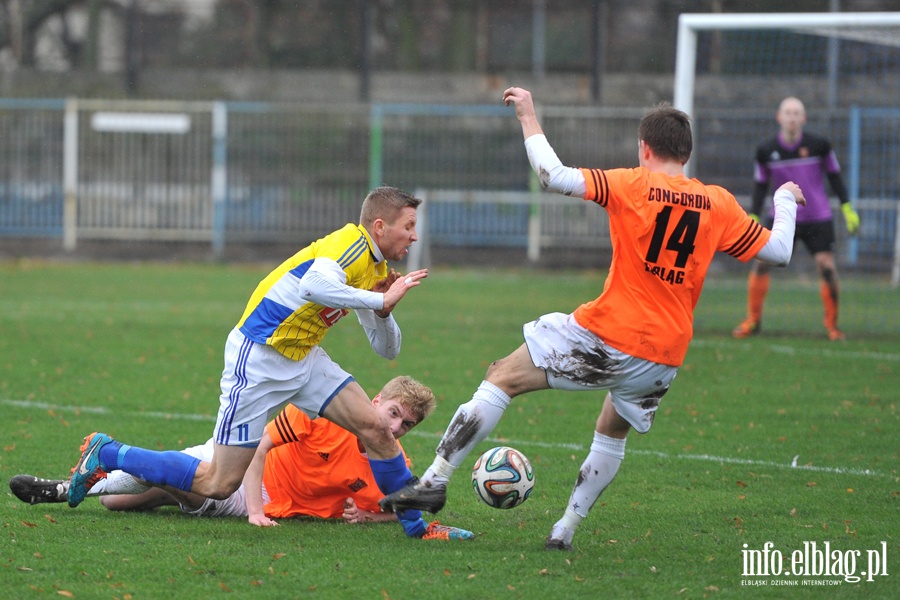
x,y
273,357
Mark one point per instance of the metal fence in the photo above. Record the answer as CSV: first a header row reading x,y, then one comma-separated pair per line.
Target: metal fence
x,y
238,173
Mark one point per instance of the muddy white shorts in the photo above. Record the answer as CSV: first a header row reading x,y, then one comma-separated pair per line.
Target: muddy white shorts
x,y
258,381
575,359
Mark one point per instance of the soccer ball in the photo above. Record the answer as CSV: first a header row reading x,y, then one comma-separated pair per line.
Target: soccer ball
x,y
502,477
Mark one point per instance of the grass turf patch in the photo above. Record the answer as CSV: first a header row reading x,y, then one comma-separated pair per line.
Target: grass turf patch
x,y
780,439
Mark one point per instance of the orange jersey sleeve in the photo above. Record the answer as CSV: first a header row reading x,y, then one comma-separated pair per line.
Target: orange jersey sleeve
x,y
665,231
314,466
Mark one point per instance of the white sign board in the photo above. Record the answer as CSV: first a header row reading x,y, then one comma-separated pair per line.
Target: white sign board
x,y
141,122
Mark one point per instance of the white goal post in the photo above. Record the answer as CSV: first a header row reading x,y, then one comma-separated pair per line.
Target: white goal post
x,y
839,25
874,29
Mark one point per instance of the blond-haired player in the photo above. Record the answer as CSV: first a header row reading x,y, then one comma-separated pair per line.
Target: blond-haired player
x,y
302,467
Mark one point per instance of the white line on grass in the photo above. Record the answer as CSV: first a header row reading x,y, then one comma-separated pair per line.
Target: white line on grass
x,y
790,350
101,410
667,455
503,441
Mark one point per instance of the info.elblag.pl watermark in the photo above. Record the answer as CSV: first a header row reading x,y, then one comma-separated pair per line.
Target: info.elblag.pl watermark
x,y
814,564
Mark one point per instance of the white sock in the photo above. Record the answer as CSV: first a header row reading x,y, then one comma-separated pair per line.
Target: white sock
x,y
597,472
471,424
117,482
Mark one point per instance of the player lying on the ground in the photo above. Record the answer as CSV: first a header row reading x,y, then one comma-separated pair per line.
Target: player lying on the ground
x,y
303,467
273,356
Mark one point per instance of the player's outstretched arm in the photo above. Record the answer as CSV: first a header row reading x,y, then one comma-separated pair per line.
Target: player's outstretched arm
x,y
253,478
553,175
779,248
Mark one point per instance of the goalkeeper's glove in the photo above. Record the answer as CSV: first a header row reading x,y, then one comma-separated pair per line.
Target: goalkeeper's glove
x,y
851,218
754,216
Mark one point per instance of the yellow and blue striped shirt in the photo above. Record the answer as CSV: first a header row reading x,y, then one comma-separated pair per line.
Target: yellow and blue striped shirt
x,y
278,316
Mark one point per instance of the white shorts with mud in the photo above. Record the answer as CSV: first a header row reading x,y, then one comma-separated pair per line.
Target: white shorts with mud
x,y
575,359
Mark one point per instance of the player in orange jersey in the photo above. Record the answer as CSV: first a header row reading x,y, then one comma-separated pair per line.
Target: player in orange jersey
x,y
302,467
630,341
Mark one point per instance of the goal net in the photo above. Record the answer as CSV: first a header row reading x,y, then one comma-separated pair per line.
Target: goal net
x,y
732,70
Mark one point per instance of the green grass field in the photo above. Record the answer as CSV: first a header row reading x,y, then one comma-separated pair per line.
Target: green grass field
x,y
136,350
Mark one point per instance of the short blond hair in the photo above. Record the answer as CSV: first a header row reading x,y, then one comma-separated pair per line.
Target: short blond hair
x,y
414,396
385,203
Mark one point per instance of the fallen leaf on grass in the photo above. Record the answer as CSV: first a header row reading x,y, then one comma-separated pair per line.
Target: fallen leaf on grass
x,y
27,524
811,484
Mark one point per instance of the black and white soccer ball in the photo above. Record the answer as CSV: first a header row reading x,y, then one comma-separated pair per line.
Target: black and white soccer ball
x,y
503,477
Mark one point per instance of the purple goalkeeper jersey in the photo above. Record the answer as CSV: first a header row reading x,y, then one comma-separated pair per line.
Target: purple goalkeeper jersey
x,y
806,162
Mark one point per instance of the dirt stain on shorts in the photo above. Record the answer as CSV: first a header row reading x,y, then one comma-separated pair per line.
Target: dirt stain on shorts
x,y
587,368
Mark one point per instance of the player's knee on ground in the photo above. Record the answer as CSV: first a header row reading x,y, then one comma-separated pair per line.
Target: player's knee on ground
x,y
217,484
117,503
222,490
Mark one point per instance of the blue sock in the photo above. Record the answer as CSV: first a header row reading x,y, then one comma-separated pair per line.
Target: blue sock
x,y
172,468
391,475
413,527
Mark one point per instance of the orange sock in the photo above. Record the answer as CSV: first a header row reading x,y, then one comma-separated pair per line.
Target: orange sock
x,y
757,288
829,295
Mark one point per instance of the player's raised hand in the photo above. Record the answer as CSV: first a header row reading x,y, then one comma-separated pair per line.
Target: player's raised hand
x,y
398,289
793,188
521,98
383,285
